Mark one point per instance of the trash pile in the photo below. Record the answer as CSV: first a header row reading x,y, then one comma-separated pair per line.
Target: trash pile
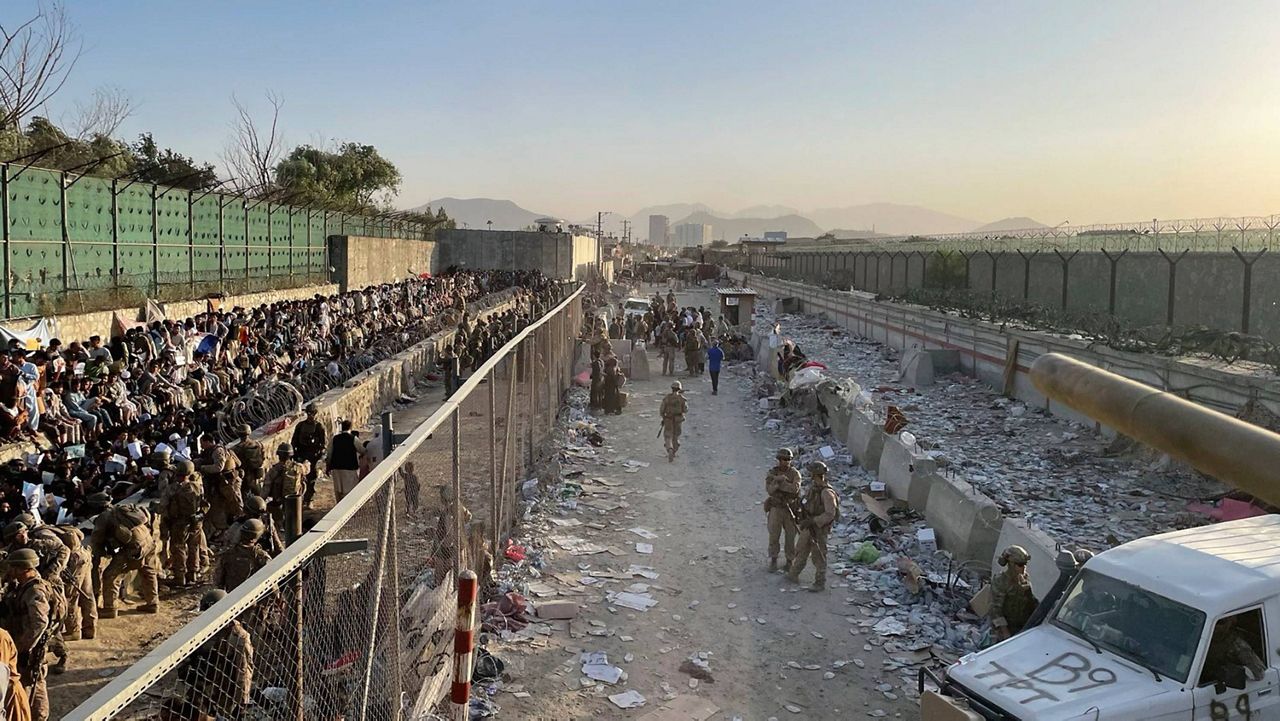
x,y
1057,474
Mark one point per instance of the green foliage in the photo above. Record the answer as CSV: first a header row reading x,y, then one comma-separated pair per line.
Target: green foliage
x,y
168,167
354,177
945,271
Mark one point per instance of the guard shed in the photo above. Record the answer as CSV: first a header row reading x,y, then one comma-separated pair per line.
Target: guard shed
x,y
737,304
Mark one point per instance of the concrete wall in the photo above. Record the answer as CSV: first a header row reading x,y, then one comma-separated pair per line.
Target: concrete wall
x,y
79,326
560,255
1209,287
359,262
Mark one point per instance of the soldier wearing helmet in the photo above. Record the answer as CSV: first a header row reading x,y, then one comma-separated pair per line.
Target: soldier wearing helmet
x,y
30,614
242,559
222,481
284,485
1012,601
782,486
674,409
255,507
820,509
253,460
123,534
53,556
309,441
182,511
221,677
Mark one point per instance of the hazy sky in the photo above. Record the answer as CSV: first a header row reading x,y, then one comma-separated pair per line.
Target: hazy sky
x,y
1080,111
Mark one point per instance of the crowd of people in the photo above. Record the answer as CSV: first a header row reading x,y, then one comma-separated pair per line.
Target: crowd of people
x,y
132,428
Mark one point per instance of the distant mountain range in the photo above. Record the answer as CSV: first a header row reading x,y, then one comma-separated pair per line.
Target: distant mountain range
x,y
868,220
476,212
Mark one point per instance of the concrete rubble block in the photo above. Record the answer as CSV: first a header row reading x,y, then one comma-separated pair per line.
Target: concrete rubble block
x,y
839,411
920,367
1043,567
908,474
865,440
787,305
968,523
640,364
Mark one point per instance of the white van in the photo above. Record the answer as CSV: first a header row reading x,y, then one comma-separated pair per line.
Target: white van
x,y
1183,625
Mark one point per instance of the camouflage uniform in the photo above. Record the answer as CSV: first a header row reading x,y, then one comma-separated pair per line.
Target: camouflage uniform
x,y
53,556
309,439
242,560
821,509
30,616
222,487
123,533
220,673
284,482
782,484
674,408
183,507
1012,601
253,461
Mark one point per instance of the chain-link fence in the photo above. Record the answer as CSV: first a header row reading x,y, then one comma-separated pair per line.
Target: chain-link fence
x,y
355,619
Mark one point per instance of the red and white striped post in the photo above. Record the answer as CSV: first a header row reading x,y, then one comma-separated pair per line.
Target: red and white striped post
x,y
463,642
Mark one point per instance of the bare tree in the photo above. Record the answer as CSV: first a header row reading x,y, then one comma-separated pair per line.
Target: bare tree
x,y
36,57
255,148
102,115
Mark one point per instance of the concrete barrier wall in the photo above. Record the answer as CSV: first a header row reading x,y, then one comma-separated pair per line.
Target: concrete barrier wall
x,y
983,348
359,262
908,475
967,523
865,440
79,326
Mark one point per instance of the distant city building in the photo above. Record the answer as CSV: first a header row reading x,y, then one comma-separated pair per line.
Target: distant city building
x,y
692,235
659,230
778,236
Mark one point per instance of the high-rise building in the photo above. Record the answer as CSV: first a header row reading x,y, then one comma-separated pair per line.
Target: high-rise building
x,y
659,230
692,235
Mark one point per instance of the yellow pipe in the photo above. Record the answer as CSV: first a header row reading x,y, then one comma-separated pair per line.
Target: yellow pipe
x,y
1237,453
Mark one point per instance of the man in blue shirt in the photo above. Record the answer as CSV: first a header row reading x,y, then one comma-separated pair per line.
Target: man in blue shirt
x,y
714,356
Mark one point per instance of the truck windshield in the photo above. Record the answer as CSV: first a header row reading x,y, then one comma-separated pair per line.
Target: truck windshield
x,y
1139,625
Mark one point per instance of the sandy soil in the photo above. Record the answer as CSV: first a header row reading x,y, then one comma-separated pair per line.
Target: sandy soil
x,y
713,590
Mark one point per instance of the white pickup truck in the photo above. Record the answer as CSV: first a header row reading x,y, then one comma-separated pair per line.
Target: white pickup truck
x,y
1182,625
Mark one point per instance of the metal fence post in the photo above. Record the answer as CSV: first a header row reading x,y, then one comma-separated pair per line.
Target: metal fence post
x,y
191,241
8,253
1114,260
463,643
493,466
1173,282
384,541
155,241
297,659
222,245
1066,271
1247,300
271,251
456,418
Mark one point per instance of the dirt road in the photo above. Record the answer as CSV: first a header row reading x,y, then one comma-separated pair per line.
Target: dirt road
x,y
774,650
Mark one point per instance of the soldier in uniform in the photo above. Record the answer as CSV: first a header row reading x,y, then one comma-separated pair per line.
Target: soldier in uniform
x,y
308,445
668,341
243,559
183,508
284,482
82,605
220,673
253,461
694,343
820,509
31,615
123,534
1012,601
53,555
782,484
255,507
161,462
221,472
674,408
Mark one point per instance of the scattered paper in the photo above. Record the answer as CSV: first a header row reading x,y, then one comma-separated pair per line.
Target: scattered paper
x,y
630,699
644,533
644,548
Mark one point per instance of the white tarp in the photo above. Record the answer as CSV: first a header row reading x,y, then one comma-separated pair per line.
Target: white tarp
x,y
34,337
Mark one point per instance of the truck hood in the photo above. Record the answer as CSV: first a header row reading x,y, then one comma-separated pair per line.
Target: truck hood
x,y
1046,673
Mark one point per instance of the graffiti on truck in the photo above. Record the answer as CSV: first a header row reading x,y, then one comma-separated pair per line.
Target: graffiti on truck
x,y
1069,673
